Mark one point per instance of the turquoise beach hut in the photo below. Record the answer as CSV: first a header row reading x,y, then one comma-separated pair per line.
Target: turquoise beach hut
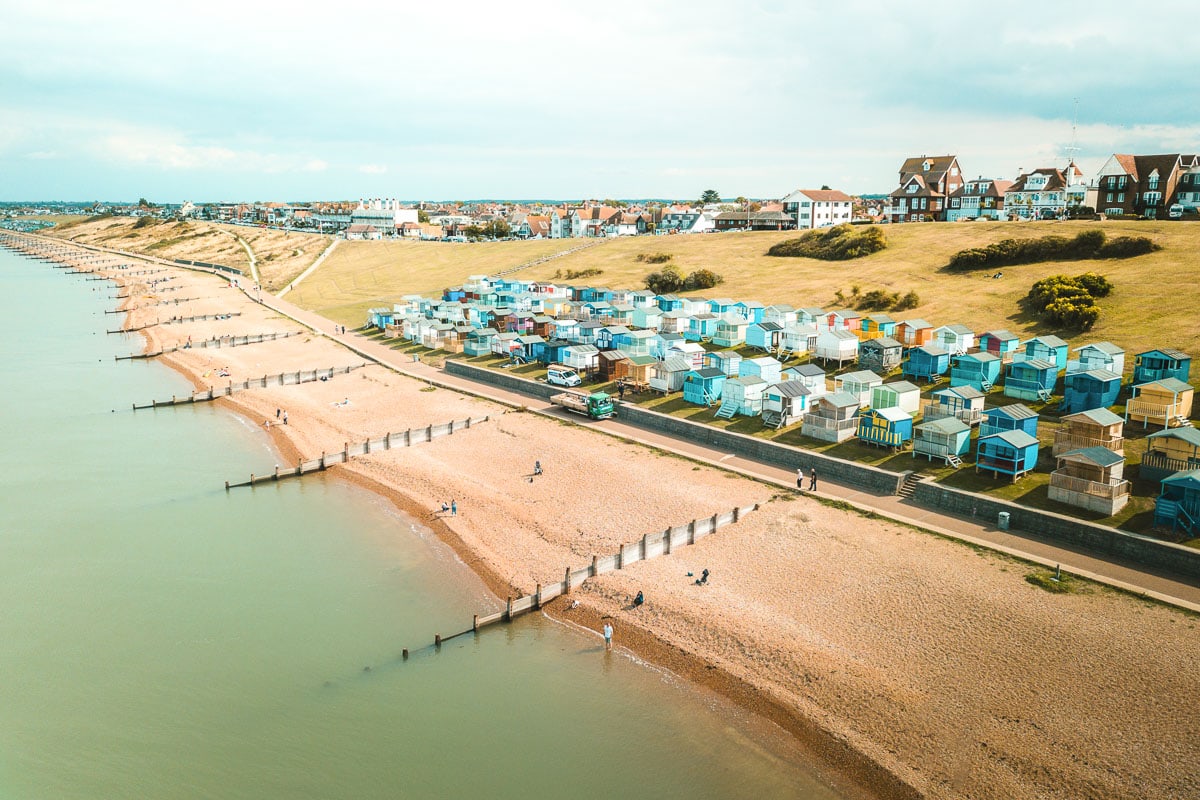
x,y
1155,365
928,362
703,386
979,370
1015,417
1095,388
947,438
1034,379
1012,453
1046,348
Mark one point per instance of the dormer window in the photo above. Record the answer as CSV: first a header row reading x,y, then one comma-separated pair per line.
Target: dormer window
x,y
926,165
912,188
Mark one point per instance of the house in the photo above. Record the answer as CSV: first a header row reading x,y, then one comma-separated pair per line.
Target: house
x,y
763,367
926,361
703,386
1091,478
859,383
978,370
479,341
728,361
954,339
743,396
1015,417
647,317
897,394
964,403
1100,355
982,198
876,326
753,221
1031,380
701,327
818,208
832,417
583,358
683,222
1044,348
1170,451
1046,192
836,345
796,339
887,427
947,438
1143,186
999,343
1154,365
1178,504
785,403
1167,402
810,375
1093,388
552,351
1011,452
880,355
667,376
780,312
764,335
606,364
730,333
925,184
634,371
914,333
1097,427
692,351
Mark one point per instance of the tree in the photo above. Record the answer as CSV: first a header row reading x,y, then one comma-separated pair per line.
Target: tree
x,y
824,187
497,229
144,203
742,202
710,196
422,215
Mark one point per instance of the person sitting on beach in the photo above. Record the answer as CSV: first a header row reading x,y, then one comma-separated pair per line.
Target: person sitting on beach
x,y
637,601
703,579
445,506
537,467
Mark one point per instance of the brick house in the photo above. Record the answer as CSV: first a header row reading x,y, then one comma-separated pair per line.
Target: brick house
x,y
925,184
982,197
1146,185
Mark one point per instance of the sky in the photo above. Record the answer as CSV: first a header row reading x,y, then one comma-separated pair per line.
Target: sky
x,y
222,101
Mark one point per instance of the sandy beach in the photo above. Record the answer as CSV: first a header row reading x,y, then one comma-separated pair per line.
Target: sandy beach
x,y
909,665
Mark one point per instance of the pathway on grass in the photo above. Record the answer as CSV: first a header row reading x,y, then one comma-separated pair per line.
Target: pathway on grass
x,y
249,254
1122,574
321,258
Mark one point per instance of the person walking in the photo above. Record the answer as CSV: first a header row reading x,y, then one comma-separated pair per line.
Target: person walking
x,y
453,508
800,478
537,468
608,634
285,418
812,480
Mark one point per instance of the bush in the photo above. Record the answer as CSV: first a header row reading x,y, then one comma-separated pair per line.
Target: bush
x,y
144,222
877,300
654,258
1069,302
702,279
1087,244
839,243
664,281
1096,285
908,301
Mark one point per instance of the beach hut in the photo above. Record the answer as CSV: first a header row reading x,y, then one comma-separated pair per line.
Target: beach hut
x,y
880,354
567,329
622,313
703,386
670,302
764,335
964,403
583,358
947,438
1014,417
838,346
1168,452
810,315
643,298
674,322
607,338
1093,388
750,310
842,319
859,383
926,361
634,371
886,427
1178,504
529,345
504,343
479,342
1031,380
763,367
696,305
647,317
1012,453
380,317
780,312
730,333
661,342
519,322
1166,402
721,307
637,343
1097,427
785,403
1101,355
810,375
1091,478
742,396
1000,343
1154,365
832,417
552,351
586,331
897,394
701,327
692,351
876,326
914,333
796,340
606,364
728,361
954,339
543,325
1044,348
667,376
978,370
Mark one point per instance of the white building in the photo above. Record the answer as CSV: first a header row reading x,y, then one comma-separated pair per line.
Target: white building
x,y
386,216
1046,193
818,208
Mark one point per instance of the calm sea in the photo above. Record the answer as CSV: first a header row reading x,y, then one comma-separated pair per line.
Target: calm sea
x,y
161,638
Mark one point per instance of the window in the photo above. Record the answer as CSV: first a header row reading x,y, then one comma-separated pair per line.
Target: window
x,y
1152,182
1121,182
912,188
1121,197
1109,198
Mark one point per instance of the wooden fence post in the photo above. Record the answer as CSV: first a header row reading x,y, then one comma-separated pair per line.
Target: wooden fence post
x,y
737,513
408,438
537,596
644,535
667,542
567,582
367,447
595,565
387,441
621,556
508,609
429,434
692,532
276,472
346,451
322,460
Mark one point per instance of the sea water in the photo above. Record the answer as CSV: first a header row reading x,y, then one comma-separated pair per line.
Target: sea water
x,y
163,638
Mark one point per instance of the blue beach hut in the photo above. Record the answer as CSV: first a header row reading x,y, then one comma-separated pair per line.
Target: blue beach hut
x,y
728,361
947,438
886,427
479,341
1046,348
1012,453
1031,380
703,386
1155,365
764,335
927,361
1095,388
1178,505
1015,417
980,370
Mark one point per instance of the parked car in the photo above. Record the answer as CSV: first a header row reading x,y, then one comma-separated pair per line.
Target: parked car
x,y
562,376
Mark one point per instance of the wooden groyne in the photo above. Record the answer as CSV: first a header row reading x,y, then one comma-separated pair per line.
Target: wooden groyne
x,y
282,379
389,441
216,341
651,545
172,302
201,317
135,330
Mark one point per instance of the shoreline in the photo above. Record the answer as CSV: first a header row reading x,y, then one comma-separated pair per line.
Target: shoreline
x,y
840,743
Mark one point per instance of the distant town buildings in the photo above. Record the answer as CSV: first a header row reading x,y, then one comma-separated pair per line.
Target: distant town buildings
x,y
925,184
818,208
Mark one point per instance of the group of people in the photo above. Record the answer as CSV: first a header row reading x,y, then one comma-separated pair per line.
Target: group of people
x,y
280,414
812,479
451,508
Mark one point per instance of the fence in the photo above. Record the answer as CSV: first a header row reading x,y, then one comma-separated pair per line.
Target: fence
x,y
649,546
386,442
206,265
216,341
282,379
201,317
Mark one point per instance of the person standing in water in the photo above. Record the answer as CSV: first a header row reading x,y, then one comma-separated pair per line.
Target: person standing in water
x,y
608,634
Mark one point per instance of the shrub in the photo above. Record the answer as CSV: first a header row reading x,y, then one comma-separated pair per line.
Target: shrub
x,y
1069,302
702,279
144,222
877,300
1087,244
908,301
839,243
1096,285
1127,247
654,258
591,272
664,281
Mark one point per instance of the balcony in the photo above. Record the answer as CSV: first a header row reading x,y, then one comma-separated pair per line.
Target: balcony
x,y
970,416
1147,412
1105,498
1066,441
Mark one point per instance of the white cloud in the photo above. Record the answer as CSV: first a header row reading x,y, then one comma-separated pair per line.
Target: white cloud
x,y
316,165
42,155
373,169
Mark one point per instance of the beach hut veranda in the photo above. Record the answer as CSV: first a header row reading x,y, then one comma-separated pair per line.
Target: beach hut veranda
x,y
947,438
1096,427
832,417
1010,453
1090,478
964,403
1155,365
1178,504
1170,451
785,403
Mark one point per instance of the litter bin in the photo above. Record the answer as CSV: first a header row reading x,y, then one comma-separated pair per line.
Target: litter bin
x,y
1002,521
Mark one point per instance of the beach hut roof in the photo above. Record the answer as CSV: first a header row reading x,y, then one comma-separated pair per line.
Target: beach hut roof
x,y
790,389
982,357
1104,347
769,326
842,334
1050,340
1100,374
1001,334
947,425
892,414
808,370
841,399
1100,416
1100,456
677,364
746,380
932,350
583,349
916,323
1189,435
1038,363
762,361
708,372
1170,384
860,376
958,328
902,386
1013,411
1187,477
882,343
1169,352
1016,439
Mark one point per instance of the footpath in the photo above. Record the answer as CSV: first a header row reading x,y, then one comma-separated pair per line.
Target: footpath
x,y
1130,577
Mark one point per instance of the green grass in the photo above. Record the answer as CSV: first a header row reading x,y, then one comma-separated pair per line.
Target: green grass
x,y
1063,584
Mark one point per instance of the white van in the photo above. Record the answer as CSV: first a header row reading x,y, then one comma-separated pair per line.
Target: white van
x,y
1175,211
562,376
